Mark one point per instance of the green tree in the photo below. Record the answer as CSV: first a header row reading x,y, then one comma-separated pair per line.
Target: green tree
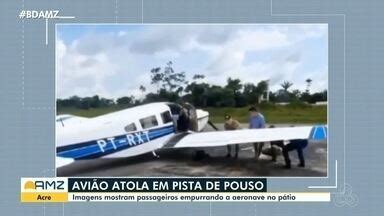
x,y
168,79
218,96
250,93
282,96
105,102
94,101
286,85
125,101
261,89
198,93
142,88
85,103
318,96
234,85
295,94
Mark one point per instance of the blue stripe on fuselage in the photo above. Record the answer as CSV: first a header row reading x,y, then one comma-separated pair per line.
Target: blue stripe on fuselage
x,y
101,147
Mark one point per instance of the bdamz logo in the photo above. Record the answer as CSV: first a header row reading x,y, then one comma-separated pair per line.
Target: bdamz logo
x,y
44,185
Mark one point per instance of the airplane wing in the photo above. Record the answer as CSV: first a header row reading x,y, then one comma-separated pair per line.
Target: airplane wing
x,y
222,138
60,161
69,120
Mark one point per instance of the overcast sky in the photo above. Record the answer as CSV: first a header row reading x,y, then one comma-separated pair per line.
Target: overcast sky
x,y
114,60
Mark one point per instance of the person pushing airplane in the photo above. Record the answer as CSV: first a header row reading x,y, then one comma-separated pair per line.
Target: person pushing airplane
x,y
256,121
231,124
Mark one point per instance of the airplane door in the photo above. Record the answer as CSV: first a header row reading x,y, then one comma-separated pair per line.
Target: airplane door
x,y
192,116
185,115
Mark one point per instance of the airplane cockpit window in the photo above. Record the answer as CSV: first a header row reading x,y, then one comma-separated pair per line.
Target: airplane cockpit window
x,y
148,122
166,116
131,127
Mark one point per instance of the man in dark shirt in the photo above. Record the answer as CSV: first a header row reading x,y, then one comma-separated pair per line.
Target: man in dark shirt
x,y
298,145
183,121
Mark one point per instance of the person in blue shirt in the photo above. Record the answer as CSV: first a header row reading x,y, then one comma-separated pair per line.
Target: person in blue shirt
x,y
256,121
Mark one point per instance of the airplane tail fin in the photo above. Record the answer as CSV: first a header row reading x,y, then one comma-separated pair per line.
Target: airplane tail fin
x,y
319,132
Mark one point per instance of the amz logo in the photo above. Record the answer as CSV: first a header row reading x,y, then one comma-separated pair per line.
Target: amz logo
x,y
45,185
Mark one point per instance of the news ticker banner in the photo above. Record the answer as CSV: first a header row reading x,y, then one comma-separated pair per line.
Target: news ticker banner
x,y
158,190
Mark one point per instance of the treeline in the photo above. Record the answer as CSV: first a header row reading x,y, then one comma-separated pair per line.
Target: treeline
x,y
172,86
94,102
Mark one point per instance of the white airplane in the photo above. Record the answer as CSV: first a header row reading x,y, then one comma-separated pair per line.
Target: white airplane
x,y
147,128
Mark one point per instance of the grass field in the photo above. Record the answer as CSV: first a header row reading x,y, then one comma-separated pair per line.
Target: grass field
x,y
273,114
277,114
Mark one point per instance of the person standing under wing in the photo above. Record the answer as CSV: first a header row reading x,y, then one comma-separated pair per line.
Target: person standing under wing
x,y
256,121
231,124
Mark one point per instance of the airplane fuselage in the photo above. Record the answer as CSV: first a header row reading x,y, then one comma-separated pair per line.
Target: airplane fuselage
x,y
124,133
